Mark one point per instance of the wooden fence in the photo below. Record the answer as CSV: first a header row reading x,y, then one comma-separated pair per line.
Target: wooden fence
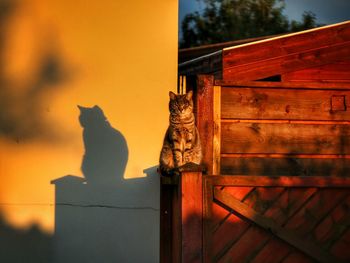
x,y
255,219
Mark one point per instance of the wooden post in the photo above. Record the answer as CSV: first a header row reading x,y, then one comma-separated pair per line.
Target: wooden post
x,y
205,117
190,194
216,129
166,213
181,220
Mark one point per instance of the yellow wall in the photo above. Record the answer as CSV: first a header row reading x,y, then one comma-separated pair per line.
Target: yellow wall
x,y
120,55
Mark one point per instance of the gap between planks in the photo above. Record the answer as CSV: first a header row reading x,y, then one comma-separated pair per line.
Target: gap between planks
x,y
310,122
282,155
307,85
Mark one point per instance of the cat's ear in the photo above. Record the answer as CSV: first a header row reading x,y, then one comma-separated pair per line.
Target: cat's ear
x,y
81,108
172,95
189,95
96,107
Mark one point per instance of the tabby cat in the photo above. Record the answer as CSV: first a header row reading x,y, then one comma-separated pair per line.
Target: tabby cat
x,y
181,144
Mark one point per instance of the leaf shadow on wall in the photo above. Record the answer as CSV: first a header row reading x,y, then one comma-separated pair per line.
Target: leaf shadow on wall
x,y
17,245
104,217
25,99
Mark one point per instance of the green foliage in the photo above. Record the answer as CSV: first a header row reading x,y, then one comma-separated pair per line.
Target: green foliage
x,y
226,20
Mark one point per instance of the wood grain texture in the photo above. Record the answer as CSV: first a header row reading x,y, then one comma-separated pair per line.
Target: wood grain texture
x,y
283,181
296,210
191,195
332,227
286,54
227,234
269,225
260,200
336,72
217,129
277,65
280,211
293,43
285,138
291,104
208,219
316,209
204,117
228,231
285,166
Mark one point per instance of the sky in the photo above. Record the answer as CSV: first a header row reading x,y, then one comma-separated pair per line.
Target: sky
x,y
327,11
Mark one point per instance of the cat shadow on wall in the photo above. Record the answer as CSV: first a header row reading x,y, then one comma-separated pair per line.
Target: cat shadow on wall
x,y
106,151
104,217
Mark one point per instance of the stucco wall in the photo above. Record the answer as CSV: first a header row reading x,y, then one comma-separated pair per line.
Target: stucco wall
x,y
55,55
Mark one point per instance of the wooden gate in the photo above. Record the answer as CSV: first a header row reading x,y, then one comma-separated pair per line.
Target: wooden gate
x,y
274,121
276,219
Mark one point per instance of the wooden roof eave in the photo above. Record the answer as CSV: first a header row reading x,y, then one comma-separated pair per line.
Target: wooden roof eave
x,y
287,53
207,64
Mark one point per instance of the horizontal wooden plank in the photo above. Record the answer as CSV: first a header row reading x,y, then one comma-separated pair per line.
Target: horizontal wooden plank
x,y
292,43
276,65
285,166
274,181
285,138
269,225
291,104
285,84
339,71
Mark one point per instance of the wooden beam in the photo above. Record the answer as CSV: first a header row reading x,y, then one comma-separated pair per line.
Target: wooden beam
x,y
283,181
269,225
204,116
191,194
217,129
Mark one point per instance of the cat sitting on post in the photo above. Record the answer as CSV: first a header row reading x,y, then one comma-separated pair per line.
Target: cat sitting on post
x,y
181,145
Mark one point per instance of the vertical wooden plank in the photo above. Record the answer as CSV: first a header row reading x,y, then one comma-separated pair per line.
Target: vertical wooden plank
x,y
207,219
191,195
217,129
176,225
165,245
204,116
